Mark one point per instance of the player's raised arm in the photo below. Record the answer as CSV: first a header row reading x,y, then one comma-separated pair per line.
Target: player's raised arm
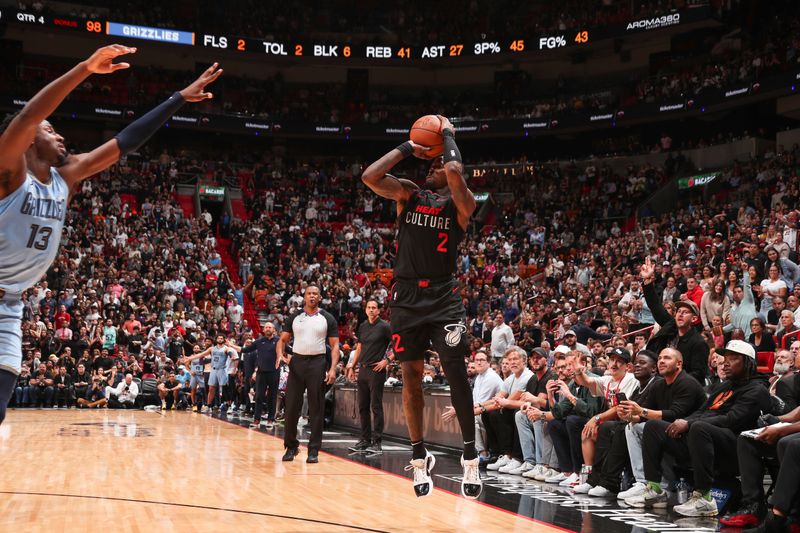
x,y
462,196
376,175
81,166
21,131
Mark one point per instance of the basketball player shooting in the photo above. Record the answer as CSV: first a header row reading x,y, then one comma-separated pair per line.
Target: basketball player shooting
x,y
36,177
426,301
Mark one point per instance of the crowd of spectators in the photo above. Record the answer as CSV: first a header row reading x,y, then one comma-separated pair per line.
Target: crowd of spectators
x,y
133,290
557,273
552,265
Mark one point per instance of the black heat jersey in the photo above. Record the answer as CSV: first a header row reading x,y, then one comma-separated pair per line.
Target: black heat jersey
x,y
428,237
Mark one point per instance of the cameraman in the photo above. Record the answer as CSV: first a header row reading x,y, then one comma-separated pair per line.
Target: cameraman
x,y
124,395
95,396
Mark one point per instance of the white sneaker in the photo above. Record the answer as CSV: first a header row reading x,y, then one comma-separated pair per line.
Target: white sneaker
x,y
571,480
533,472
521,469
697,506
600,492
637,489
471,484
649,498
546,473
583,488
513,464
557,478
503,460
423,484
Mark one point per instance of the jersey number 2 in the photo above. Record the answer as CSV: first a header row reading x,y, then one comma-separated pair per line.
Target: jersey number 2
x,y
40,237
397,347
443,244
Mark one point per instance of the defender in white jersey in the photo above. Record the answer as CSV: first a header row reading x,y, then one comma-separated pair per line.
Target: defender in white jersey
x,y
36,176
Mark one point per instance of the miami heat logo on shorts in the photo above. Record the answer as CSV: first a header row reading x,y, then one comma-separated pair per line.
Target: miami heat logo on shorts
x,y
454,333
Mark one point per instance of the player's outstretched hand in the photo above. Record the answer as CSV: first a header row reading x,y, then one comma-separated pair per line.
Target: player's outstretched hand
x,y
101,62
196,91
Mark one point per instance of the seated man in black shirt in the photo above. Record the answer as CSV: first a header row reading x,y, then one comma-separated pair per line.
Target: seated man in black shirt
x,y
81,380
706,439
169,390
62,385
535,395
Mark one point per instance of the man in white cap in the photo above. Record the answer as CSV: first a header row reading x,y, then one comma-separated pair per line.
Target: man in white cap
x,y
706,439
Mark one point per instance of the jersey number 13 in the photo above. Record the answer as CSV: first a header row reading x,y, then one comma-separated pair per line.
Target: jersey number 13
x,y
40,237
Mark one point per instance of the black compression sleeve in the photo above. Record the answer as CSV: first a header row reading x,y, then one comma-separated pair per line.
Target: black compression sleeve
x,y
451,152
141,129
406,149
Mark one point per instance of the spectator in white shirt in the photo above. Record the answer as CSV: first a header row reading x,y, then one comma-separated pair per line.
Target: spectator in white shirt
x,y
487,385
235,313
502,336
498,413
124,395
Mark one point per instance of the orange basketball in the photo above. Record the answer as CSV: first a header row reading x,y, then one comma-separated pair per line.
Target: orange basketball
x,y
427,131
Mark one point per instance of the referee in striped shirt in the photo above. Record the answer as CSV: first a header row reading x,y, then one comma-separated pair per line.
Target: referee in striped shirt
x,y
312,328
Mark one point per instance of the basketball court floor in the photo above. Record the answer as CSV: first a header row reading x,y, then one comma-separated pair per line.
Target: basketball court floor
x,y
136,471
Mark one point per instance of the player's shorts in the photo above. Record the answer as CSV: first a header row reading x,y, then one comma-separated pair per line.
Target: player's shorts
x,y
197,381
218,377
428,316
11,334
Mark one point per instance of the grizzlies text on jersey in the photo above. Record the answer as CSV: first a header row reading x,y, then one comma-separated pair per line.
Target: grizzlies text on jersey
x,y
31,220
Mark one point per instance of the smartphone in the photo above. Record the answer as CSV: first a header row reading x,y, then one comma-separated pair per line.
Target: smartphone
x,y
621,397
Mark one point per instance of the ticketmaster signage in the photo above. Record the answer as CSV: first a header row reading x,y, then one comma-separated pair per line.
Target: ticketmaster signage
x,y
697,181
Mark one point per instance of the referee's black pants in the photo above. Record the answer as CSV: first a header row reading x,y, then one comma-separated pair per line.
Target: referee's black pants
x,y
306,372
370,402
266,380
